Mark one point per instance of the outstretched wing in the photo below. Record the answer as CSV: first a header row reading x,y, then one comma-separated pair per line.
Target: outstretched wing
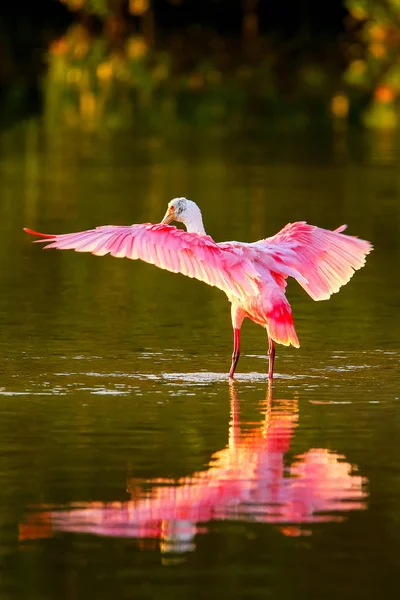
x,y
166,247
321,260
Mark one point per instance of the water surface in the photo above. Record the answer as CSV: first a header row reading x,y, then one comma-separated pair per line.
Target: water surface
x,y
129,466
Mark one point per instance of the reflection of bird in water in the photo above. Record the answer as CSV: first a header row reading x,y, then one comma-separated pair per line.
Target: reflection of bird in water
x,y
246,481
253,275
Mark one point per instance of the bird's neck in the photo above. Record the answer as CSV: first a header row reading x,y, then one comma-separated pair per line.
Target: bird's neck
x,y
194,224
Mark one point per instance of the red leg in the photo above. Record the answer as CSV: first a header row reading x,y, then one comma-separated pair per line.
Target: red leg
x,y
236,351
271,354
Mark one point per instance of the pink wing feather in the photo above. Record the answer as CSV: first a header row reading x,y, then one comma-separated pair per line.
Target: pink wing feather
x,y
166,247
321,260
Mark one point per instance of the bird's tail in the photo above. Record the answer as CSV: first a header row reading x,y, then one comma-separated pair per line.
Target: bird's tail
x,y
280,324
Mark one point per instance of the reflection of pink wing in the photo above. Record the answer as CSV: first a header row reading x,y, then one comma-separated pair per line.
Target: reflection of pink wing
x,y
325,483
169,248
246,481
320,485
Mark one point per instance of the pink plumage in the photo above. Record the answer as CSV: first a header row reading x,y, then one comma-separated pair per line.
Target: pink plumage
x,y
252,275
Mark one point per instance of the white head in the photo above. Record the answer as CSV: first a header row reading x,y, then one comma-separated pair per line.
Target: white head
x,y
187,212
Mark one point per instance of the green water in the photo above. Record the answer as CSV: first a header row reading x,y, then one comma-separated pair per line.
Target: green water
x,y
129,467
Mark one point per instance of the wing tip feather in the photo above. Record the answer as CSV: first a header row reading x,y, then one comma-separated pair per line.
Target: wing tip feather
x,y
38,234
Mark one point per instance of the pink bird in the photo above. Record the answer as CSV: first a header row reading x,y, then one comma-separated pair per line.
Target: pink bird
x,y
252,275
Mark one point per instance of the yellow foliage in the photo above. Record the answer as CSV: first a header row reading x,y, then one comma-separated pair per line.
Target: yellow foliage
x,y
136,47
358,66
104,72
384,94
377,50
74,4
74,75
340,106
381,116
81,49
59,47
70,116
138,7
377,33
78,33
87,105
358,13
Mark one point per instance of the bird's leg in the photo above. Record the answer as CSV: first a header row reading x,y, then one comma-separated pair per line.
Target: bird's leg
x,y
237,314
271,355
236,351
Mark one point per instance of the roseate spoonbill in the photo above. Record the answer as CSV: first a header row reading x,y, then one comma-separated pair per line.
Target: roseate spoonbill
x,y
252,275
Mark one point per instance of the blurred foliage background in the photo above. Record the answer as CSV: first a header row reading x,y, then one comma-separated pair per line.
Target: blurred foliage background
x,y
168,63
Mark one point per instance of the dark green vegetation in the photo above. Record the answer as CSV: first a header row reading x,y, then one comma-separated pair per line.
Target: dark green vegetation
x,y
119,65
